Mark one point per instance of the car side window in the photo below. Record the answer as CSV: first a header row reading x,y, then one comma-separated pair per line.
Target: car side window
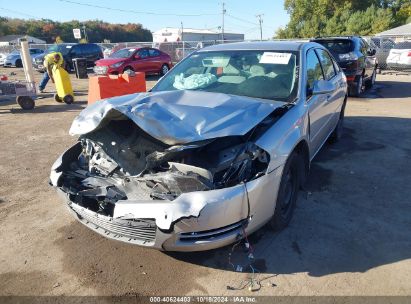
x,y
326,63
153,53
314,71
143,53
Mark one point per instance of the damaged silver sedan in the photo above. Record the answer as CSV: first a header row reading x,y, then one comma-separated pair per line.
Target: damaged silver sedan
x,y
218,148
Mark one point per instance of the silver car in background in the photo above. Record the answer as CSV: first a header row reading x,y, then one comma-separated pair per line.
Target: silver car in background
x,y
218,148
14,58
400,56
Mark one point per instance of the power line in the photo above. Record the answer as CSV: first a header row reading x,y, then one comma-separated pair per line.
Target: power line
x,y
240,19
135,12
19,13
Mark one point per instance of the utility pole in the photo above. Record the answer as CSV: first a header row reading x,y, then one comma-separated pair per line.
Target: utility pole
x,y
260,21
222,29
182,37
85,33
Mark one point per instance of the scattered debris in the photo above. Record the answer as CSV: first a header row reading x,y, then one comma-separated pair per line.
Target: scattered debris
x,y
56,285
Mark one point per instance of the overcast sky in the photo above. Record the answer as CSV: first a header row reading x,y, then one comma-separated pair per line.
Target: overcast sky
x,y
240,16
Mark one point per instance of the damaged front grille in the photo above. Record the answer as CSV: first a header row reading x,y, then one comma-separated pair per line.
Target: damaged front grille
x,y
134,230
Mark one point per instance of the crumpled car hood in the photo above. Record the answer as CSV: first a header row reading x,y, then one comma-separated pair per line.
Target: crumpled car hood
x,y
179,117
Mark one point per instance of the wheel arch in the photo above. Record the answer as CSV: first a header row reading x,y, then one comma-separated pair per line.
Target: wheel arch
x,y
303,151
128,67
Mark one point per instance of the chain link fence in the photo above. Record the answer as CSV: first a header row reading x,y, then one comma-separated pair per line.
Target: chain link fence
x,y
393,53
176,50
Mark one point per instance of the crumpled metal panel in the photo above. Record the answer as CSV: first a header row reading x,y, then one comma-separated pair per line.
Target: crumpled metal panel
x,y
179,117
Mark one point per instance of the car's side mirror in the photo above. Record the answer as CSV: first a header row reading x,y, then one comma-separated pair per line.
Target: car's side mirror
x,y
323,87
137,57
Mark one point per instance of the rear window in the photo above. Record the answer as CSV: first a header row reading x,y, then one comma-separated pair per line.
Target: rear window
x,y
341,46
403,45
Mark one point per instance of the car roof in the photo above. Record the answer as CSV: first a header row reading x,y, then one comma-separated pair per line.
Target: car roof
x,y
336,37
260,45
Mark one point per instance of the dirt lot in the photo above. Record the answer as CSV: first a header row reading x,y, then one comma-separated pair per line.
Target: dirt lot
x,y
350,234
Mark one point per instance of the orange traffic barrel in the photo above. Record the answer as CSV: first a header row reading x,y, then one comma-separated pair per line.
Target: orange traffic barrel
x,y
106,86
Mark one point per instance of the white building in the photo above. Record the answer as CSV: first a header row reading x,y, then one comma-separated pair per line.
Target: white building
x,y
14,40
400,33
172,34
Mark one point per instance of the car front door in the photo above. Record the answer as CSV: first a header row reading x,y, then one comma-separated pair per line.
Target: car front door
x,y
141,63
317,104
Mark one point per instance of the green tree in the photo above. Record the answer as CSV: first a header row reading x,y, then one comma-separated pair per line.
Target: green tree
x,y
97,30
310,18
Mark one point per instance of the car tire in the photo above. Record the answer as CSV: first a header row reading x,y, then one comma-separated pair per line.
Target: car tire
x,y
356,89
19,63
164,69
370,82
25,102
287,192
68,99
339,128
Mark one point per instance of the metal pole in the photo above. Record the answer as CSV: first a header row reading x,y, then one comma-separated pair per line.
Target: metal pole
x,y
222,29
26,59
85,33
182,37
260,21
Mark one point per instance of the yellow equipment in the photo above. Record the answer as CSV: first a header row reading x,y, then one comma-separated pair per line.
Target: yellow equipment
x,y
63,85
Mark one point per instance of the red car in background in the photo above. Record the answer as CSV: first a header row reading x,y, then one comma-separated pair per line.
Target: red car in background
x,y
148,60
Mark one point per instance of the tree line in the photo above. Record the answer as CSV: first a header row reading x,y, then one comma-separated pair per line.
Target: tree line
x,y
312,18
53,31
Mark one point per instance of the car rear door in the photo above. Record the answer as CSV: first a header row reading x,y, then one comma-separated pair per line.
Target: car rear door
x,y
155,60
333,100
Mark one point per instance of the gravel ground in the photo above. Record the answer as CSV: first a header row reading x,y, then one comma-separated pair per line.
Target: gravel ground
x,y
350,234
